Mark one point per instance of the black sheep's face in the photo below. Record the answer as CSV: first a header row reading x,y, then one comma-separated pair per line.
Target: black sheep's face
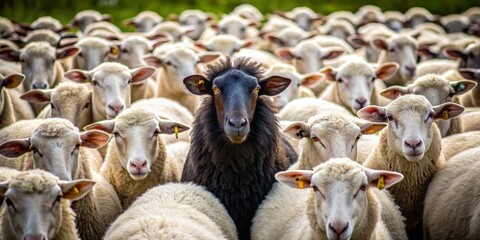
x,y
235,96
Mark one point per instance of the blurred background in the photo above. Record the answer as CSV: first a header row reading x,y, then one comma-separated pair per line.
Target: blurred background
x,y
64,10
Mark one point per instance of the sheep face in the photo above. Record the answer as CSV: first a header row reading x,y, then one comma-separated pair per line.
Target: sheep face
x,y
94,51
225,44
234,25
34,200
85,18
341,191
132,52
402,50
144,21
410,119
196,19
111,86
235,95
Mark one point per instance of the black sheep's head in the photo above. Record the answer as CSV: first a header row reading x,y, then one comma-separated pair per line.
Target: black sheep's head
x,y
235,94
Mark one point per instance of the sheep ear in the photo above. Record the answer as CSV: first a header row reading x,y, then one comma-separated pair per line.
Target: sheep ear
x,y
128,22
356,40
286,53
10,54
247,43
38,96
297,130
141,73
94,138
387,70
15,148
332,53
311,80
106,17
201,44
374,178
159,41
454,53
208,57
187,29
329,73
105,125
67,52
198,85
168,127
379,43
78,75
469,73
295,178
394,91
274,39
462,86
273,85
370,128
12,80
153,61
372,113
447,111
76,189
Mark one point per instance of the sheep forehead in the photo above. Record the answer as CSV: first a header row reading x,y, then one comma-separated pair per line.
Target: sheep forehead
x,y
111,67
38,49
147,14
339,169
409,103
307,46
332,120
180,54
135,117
55,127
67,90
356,68
33,181
402,40
93,42
431,81
89,13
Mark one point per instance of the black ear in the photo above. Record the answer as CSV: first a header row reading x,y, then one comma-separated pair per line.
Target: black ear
x,y
273,85
198,85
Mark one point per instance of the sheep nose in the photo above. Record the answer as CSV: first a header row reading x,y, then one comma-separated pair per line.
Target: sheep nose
x,y
413,143
361,101
338,227
237,122
117,108
39,86
34,237
411,69
138,163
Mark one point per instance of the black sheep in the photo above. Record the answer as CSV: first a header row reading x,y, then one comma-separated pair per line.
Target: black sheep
x,y
236,146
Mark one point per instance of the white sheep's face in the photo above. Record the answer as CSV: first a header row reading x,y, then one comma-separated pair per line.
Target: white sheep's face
x,y
355,87
58,155
145,24
76,109
225,44
235,27
339,204
92,55
404,54
303,20
199,22
178,64
34,214
111,92
132,53
38,69
137,147
308,58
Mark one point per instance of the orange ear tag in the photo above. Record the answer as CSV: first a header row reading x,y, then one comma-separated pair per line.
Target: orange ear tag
x,y
300,183
381,183
175,127
445,114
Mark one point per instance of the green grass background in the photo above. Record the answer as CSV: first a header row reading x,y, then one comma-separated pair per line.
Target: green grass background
x,y
64,10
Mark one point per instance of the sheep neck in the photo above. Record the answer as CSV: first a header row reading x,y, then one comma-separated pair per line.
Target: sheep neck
x,y
7,114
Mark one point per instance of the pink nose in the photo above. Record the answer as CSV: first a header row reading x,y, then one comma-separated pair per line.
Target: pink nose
x,y
34,237
411,69
361,101
138,164
413,143
338,227
117,108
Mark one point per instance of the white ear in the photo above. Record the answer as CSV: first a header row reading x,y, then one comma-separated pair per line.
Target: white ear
x,y
295,178
297,130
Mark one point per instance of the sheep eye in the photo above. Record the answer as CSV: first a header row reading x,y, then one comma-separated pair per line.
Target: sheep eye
x,y
429,117
391,49
257,89
80,54
52,106
35,151
315,188
389,117
22,60
299,58
124,50
117,135
216,90
373,79
298,84
156,132
450,94
315,139
129,81
340,80
95,83
87,104
10,204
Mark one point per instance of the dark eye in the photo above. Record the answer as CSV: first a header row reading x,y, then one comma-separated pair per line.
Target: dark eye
x,y
57,200
391,49
75,149
428,117
316,139
87,105
156,132
117,135
298,84
299,58
223,30
129,81
362,188
124,50
340,80
80,54
52,106
10,203
169,63
35,151
373,79
389,117
242,29
22,60
315,188
95,83
450,94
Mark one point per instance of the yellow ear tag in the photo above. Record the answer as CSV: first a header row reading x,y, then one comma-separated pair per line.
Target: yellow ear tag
x,y
300,183
175,127
76,190
114,51
201,82
381,183
445,114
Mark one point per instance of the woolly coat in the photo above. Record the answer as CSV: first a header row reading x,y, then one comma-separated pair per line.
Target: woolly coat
x,y
455,144
198,215
163,170
410,193
240,175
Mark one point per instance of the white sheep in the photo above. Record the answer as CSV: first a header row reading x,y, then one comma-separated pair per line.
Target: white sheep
x,y
394,20
417,15
437,90
455,23
69,100
71,160
47,22
304,17
12,108
298,88
236,26
144,21
286,37
93,52
410,144
369,14
111,83
248,11
176,30
224,43
329,134
174,211
175,64
339,28
436,66
457,143
303,108
339,199
84,18
196,18
472,98
356,84
136,160
401,49
455,183
37,206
